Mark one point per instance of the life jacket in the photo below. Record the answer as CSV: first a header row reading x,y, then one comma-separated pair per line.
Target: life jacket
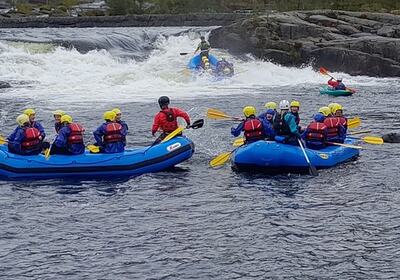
x,y
204,45
253,129
113,133
333,124
296,117
343,121
280,126
170,124
31,140
76,136
316,132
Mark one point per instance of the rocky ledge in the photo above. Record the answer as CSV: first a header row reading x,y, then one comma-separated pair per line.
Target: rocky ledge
x,y
357,43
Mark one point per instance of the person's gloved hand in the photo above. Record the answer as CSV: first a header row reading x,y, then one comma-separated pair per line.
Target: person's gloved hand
x,y
232,130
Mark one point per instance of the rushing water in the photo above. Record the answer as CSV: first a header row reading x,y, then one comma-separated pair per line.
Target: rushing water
x,y
193,222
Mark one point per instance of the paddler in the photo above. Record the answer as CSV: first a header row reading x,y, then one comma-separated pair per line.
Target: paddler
x,y
336,85
69,140
110,136
204,47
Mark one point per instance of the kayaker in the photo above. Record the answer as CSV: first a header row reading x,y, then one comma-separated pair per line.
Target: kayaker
x,y
32,123
118,116
110,136
204,47
337,85
294,109
285,125
57,114
166,119
252,126
336,131
69,140
26,140
316,133
224,68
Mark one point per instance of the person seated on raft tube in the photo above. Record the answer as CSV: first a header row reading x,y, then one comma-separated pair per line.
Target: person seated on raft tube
x,y
224,68
57,114
110,136
294,109
268,106
337,85
35,124
316,133
285,125
336,131
26,140
254,128
337,111
204,47
166,119
118,115
69,140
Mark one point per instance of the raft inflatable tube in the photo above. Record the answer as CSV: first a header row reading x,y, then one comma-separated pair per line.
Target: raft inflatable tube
x,y
131,162
277,158
195,62
330,91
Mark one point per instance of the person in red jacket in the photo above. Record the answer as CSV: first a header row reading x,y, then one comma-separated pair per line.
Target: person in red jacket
x,y
337,85
166,119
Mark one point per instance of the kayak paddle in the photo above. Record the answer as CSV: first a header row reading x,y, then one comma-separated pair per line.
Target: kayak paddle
x,y
312,170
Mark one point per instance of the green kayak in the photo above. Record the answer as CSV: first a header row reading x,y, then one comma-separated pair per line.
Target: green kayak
x,y
330,91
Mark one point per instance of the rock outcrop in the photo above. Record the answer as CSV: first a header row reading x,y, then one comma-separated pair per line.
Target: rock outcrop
x,y
353,42
4,85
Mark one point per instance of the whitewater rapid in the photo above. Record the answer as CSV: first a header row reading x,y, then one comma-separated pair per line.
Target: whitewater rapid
x,y
134,65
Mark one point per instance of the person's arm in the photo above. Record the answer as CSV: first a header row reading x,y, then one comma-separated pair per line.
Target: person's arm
x,y
12,135
98,134
197,49
236,131
41,130
16,143
156,124
61,139
292,125
182,114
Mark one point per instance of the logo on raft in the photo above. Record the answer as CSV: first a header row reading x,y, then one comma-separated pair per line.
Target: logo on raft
x,y
323,156
173,147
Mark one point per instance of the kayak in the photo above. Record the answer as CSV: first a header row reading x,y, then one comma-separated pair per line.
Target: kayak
x,y
131,162
273,157
195,62
330,91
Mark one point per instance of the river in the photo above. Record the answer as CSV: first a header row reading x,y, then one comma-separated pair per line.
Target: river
x,y
193,222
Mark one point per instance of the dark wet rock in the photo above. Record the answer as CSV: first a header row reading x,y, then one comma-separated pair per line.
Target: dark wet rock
x,y
391,138
353,42
4,85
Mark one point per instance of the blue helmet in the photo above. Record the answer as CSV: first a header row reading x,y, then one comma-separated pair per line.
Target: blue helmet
x,y
270,112
319,117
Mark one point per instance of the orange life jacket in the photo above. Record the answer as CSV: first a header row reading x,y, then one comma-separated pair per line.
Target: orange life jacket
x,y
113,133
76,136
333,124
253,129
316,132
31,140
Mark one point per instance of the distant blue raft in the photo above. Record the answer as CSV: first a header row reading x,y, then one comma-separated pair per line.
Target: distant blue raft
x,y
131,162
195,62
273,157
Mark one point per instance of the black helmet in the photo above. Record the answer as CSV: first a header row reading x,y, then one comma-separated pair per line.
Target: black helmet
x,y
163,101
202,38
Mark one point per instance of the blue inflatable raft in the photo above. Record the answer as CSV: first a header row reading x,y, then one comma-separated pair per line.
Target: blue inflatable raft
x,y
195,62
273,157
131,162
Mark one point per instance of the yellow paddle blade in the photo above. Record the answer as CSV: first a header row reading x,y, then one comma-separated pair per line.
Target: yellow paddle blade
x,y
220,159
2,140
238,142
345,145
93,148
359,132
216,114
354,123
47,153
375,140
173,134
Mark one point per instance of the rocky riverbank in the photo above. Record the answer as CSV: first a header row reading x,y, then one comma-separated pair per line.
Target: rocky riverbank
x,y
211,19
353,42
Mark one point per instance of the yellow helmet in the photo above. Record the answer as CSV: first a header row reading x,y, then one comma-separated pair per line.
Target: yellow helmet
x,y
58,113
109,116
331,106
336,107
66,118
116,111
22,119
271,105
249,111
29,112
295,103
325,111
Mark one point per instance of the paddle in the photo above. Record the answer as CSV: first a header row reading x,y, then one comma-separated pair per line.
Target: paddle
x,y
353,123
3,140
215,114
324,71
360,132
374,140
238,142
345,145
221,159
312,170
93,148
184,53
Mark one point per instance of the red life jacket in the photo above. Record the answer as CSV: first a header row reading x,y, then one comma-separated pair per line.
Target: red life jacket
x,y
31,140
76,136
316,132
333,124
253,129
170,124
342,121
113,133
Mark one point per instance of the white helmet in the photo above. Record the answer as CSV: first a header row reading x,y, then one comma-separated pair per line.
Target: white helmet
x,y
284,105
339,79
